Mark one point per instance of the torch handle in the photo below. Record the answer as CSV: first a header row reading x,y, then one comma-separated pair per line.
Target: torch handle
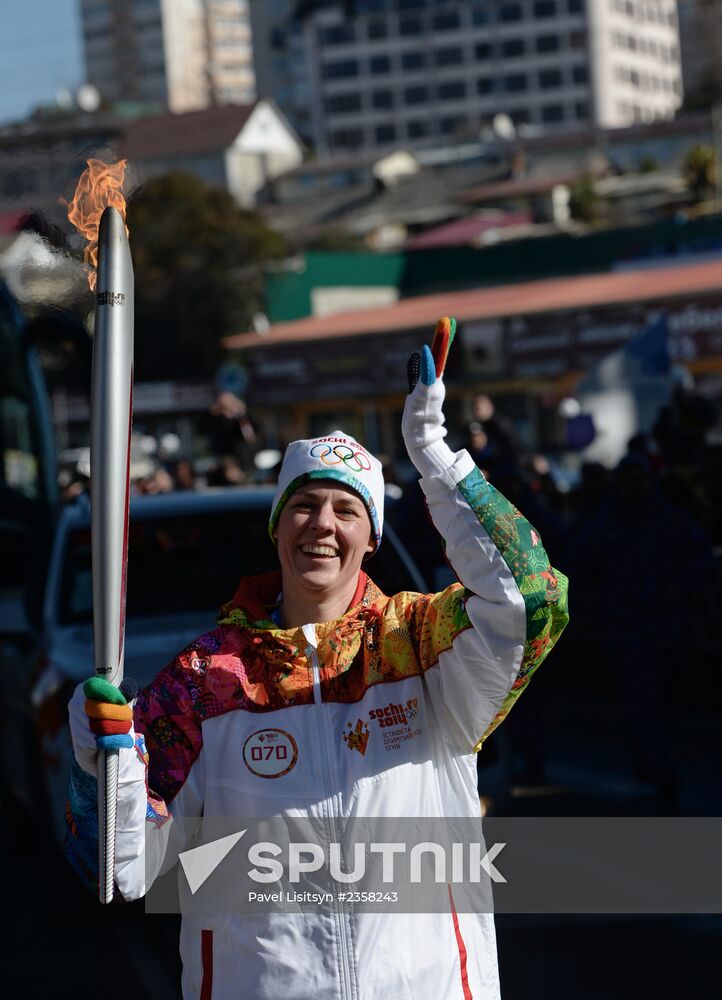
x,y
108,761
111,413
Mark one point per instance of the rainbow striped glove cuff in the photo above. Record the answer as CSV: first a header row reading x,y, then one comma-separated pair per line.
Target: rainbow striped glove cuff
x,y
109,712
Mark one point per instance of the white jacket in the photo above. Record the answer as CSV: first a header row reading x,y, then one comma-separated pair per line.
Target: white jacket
x,y
457,660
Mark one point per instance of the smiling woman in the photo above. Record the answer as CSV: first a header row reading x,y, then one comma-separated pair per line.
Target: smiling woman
x,y
324,533
318,696
327,517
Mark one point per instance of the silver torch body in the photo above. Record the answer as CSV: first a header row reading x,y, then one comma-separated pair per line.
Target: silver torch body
x,y
111,409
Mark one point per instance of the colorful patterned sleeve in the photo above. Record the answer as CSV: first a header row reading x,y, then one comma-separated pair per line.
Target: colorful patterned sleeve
x,y
481,640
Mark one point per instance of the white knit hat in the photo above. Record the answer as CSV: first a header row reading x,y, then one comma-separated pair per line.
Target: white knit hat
x,y
334,456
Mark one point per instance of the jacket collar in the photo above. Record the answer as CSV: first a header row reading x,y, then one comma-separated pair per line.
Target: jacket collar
x,y
255,595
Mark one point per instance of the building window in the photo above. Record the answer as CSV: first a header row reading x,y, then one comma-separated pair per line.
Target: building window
x,y
382,99
453,125
548,43
580,74
515,82
385,133
483,50
413,60
545,8
377,29
552,113
380,64
410,26
340,103
452,90
417,129
581,110
520,116
340,70
337,34
550,78
347,138
510,12
513,47
484,85
447,20
575,6
416,95
480,15
577,39
449,57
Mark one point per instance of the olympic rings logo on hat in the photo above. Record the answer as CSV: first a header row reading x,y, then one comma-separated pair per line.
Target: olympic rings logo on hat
x,y
356,461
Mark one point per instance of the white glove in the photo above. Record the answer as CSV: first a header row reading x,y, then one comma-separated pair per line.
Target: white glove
x,y
422,424
85,745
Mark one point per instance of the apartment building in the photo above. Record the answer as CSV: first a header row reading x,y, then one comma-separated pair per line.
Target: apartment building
x,y
186,54
700,34
381,73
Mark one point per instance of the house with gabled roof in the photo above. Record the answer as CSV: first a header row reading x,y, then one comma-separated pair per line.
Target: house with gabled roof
x,y
240,147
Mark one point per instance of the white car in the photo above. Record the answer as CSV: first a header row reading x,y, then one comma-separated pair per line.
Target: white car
x,y
186,553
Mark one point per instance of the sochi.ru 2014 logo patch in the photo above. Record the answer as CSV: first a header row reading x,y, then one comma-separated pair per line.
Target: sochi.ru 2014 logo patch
x,y
356,737
396,713
396,721
270,753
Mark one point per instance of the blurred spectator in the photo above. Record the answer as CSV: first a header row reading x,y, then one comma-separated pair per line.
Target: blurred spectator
x,y
409,517
228,472
637,562
491,439
543,485
231,430
585,500
71,483
646,446
682,426
711,479
156,481
183,475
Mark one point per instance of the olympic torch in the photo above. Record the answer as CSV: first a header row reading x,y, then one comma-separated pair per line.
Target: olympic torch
x,y
111,410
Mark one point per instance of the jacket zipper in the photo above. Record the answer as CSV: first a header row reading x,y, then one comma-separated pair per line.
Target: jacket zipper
x,y
312,653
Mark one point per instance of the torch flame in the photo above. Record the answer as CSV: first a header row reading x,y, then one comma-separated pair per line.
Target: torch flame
x,y
100,185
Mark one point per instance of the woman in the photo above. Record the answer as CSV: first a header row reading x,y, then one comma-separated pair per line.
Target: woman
x,y
317,656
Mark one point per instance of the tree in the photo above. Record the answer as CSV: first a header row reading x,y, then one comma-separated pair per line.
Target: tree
x,y
584,200
700,172
198,277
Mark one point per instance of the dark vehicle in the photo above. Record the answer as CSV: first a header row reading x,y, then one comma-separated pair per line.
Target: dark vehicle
x,y
28,472
28,508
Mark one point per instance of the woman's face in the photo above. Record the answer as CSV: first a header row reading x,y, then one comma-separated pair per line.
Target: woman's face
x,y
323,534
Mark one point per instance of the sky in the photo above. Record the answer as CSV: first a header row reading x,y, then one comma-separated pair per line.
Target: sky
x,y
40,52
